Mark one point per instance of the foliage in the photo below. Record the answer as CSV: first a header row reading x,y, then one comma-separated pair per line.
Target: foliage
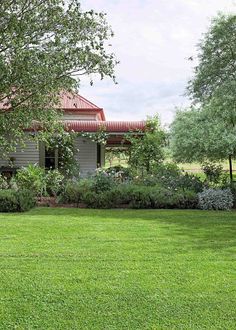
x,y
16,201
45,48
215,73
32,178
119,173
146,148
102,181
64,142
39,181
114,154
215,199
99,137
53,181
127,195
208,132
171,177
8,201
212,171
3,183
195,136
74,191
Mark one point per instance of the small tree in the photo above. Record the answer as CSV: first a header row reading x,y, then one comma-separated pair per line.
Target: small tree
x,y
146,148
46,47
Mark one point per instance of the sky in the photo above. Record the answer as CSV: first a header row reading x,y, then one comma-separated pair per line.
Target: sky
x,y
153,41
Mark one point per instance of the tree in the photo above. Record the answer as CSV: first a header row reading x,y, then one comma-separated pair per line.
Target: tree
x,y
146,148
196,137
45,47
207,131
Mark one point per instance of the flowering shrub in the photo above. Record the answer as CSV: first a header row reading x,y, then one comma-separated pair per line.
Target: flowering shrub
x,y
38,181
215,199
171,177
102,181
119,173
53,181
3,183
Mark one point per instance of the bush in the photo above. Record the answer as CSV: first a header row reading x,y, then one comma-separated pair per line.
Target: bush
x,y
157,198
212,171
171,177
215,199
16,201
32,178
53,181
26,200
102,181
38,181
140,197
3,182
119,173
74,191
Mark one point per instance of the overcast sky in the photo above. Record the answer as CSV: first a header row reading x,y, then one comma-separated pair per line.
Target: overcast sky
x,y
153,41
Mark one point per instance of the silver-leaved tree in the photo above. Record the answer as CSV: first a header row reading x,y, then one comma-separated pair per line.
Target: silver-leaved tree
x,y
208,129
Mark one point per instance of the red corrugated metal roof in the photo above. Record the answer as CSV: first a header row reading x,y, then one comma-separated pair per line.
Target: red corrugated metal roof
x,y
109,126
70,102
75,101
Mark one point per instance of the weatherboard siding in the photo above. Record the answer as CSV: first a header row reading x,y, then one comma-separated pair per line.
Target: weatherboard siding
x,y
24,156
86,156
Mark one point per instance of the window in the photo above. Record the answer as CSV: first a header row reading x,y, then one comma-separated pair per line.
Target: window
x,y
51,161
48,157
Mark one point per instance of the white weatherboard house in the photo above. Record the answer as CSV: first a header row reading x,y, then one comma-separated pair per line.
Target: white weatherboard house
x,y
79,115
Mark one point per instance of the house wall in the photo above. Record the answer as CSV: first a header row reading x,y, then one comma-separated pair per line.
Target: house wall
x,y
24,157
87,155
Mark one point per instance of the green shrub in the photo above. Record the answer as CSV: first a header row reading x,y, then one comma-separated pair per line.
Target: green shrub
x,y
140,197
3,182
16,201
32,178
119,173
8,201
170,176
157,198
212,171
53,180
98,200
215,199
39,181
74,191
26,200
102,182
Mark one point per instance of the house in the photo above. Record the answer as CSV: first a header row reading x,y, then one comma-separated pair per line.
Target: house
x,y
79,115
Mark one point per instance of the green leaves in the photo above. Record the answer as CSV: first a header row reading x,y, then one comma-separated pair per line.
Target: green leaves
x,y
208,131
45,47
146,148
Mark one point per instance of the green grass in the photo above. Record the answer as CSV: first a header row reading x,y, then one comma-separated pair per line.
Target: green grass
x,y
118,269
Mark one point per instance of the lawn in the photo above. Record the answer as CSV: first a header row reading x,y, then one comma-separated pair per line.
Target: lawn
x,y
118,269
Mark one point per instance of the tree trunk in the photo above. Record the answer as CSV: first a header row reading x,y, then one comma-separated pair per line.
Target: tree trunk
x,y
230,168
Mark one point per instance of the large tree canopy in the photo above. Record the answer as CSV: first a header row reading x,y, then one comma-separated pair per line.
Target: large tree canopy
x,y
45,47
215,74
208,130
196,137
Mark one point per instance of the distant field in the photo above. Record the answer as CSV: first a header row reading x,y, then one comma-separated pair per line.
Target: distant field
x,y
189,167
